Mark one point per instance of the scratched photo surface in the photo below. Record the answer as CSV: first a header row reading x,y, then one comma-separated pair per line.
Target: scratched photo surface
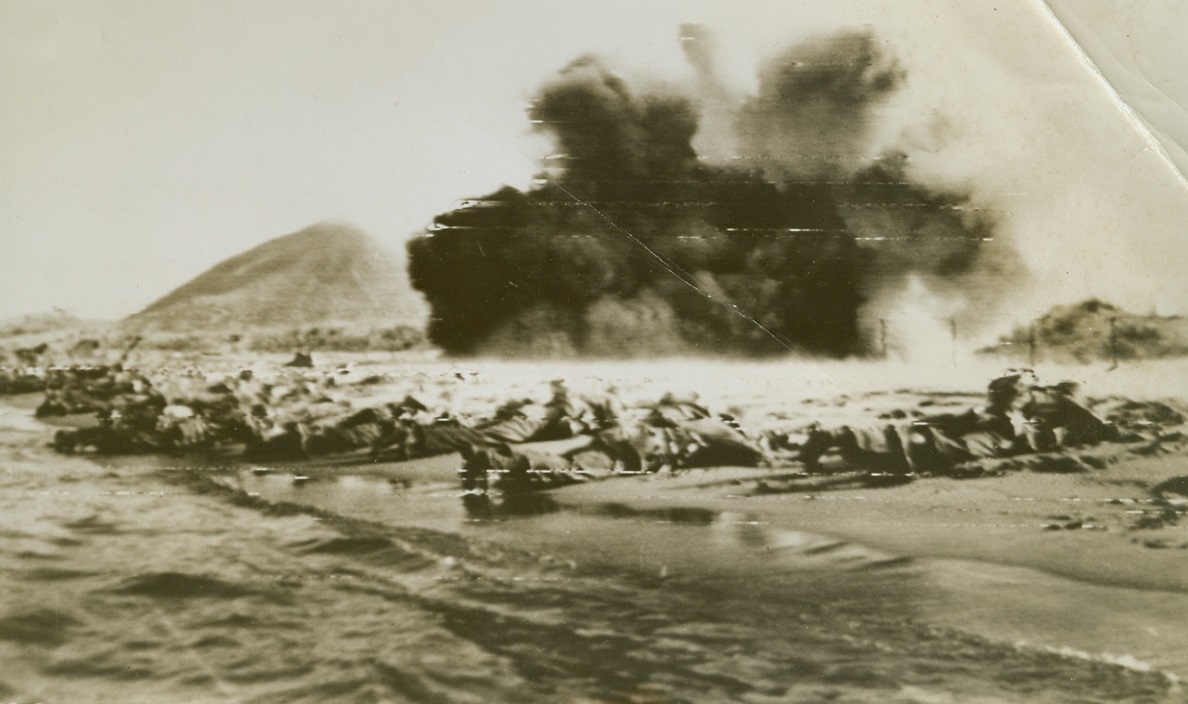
x,y
593,351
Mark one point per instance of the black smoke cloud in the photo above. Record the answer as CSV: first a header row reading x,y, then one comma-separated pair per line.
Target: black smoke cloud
x,y
632,245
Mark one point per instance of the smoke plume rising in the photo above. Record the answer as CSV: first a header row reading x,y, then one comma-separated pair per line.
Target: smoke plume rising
x,y
633,243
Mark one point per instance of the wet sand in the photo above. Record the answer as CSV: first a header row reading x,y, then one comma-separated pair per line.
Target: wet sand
x,y
998,556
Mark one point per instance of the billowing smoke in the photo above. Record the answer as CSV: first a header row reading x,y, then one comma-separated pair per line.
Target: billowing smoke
x,y
631,243
812,114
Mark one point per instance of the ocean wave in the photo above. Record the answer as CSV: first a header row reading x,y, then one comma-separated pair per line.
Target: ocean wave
x,y
1128,662
38,626
170,586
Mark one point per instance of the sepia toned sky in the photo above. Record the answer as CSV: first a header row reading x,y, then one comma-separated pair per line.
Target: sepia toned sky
x,y
143,141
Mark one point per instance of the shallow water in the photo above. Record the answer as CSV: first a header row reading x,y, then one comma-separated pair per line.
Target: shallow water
x,y
140,582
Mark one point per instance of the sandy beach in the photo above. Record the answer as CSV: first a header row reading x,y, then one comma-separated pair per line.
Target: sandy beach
x,y
992,588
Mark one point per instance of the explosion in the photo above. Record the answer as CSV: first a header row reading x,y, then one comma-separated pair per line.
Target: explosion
x,y
631,244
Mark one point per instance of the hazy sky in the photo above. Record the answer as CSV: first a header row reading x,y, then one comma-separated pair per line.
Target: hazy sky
x,y
143,141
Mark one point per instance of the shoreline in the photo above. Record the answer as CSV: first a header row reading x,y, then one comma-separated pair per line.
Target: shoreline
x,y
945,518
986,562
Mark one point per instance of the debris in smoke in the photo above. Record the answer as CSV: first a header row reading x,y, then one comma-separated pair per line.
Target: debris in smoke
x,y
811,117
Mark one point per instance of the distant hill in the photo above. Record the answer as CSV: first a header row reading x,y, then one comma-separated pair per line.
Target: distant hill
x,y
1095,330
324,274
42,323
